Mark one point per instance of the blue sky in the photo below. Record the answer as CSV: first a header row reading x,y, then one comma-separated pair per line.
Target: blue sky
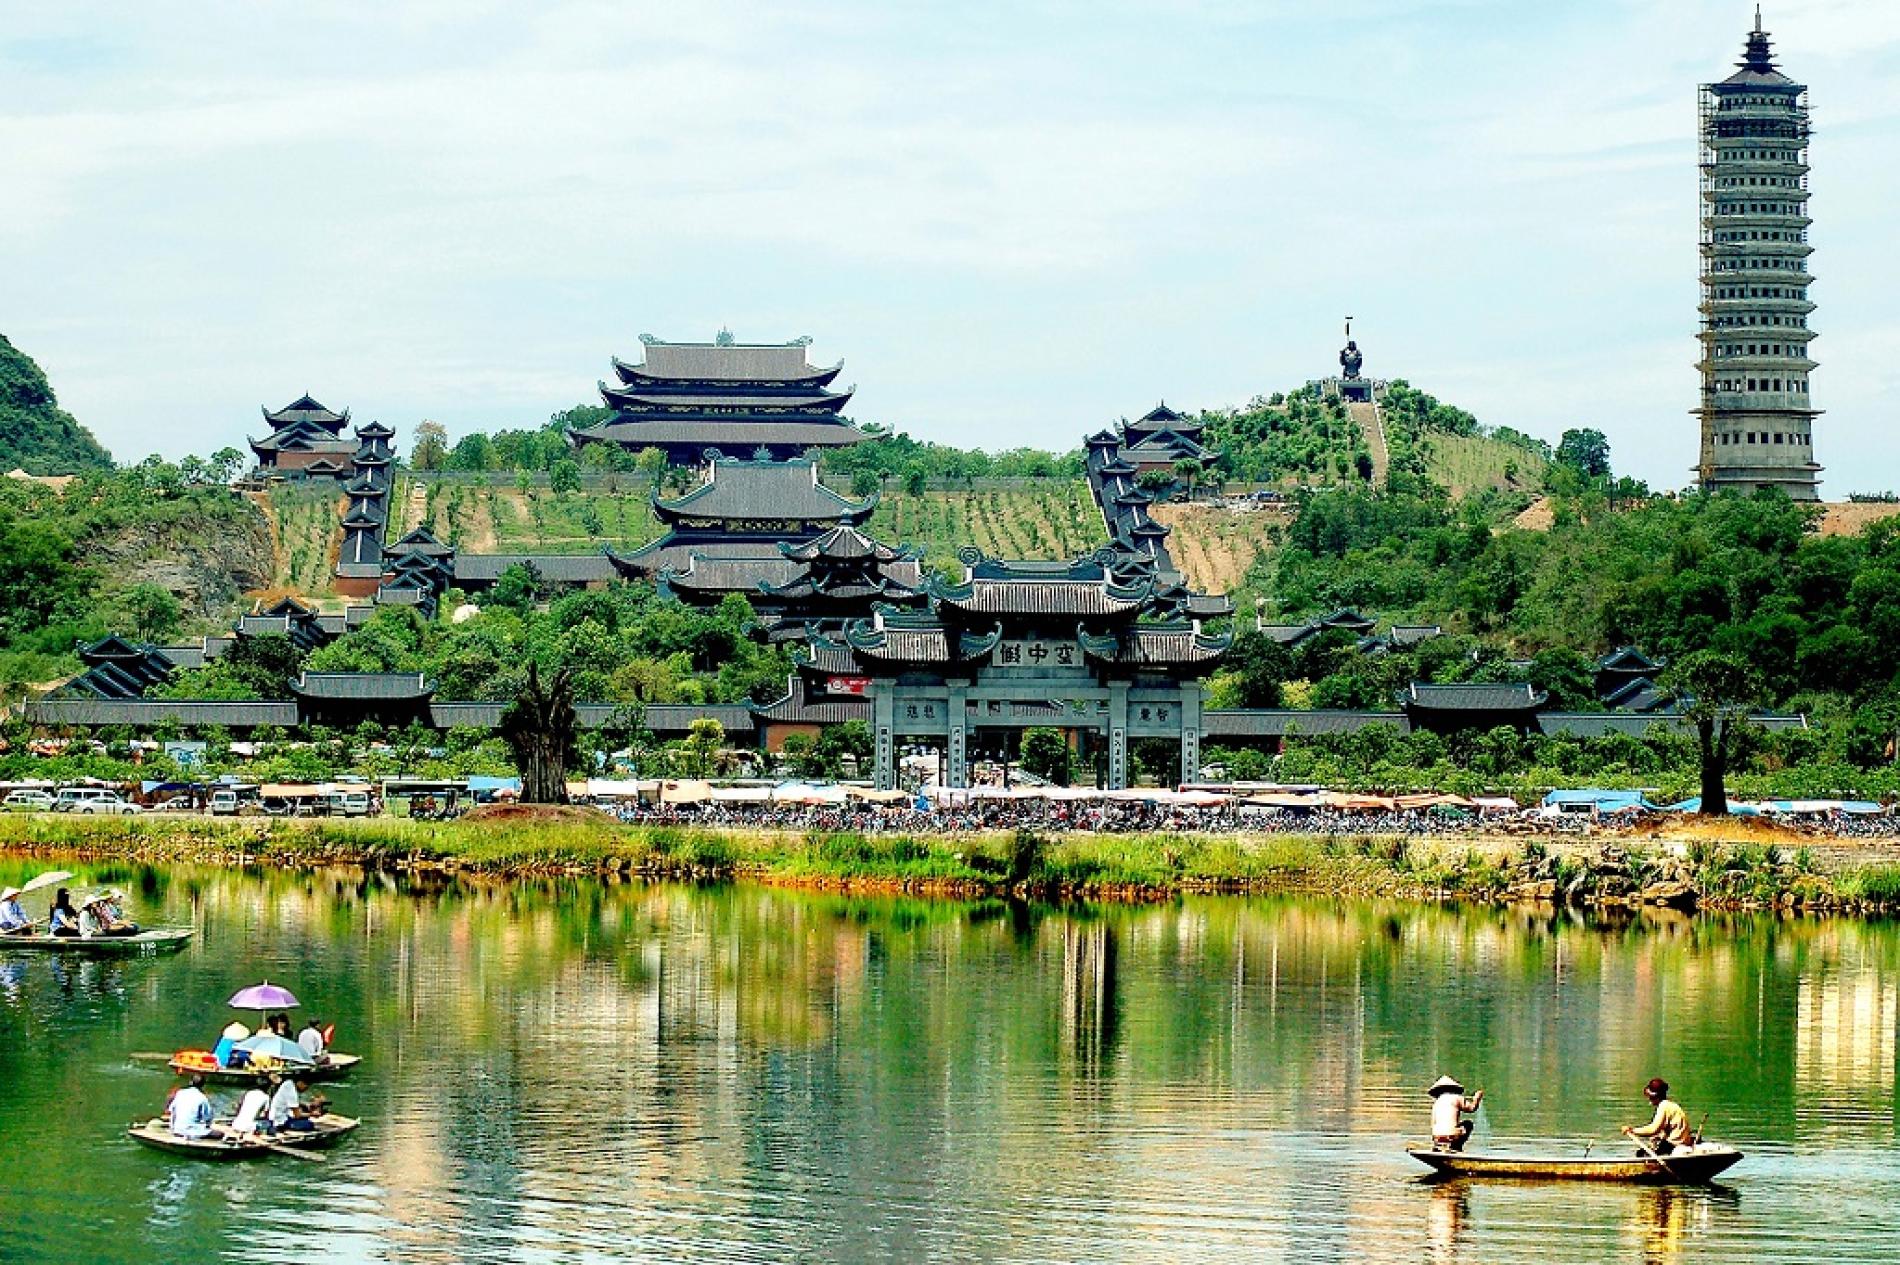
x,y
1014,222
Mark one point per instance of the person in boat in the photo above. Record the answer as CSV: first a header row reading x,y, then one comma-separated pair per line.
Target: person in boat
x,y
13,919
253,1114
280,1025
189,1115
1450,1130
1668,1130
310,1041
64,919
112,916
288,1111
226,1051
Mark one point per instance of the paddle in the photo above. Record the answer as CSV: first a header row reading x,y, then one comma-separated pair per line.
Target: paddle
x,y
1653,1154
281,1149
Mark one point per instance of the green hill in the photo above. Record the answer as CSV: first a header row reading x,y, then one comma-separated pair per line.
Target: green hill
x,y
36,435
1300,439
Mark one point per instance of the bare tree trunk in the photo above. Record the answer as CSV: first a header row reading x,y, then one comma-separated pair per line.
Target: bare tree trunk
x,y
539,728
1712,739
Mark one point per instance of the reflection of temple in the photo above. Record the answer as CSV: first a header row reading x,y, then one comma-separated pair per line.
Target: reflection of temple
x,y
1088,994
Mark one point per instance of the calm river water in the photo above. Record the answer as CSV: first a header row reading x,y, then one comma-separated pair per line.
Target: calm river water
x,y
575,1071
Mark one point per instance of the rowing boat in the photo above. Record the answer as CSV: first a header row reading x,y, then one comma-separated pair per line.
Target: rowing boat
x,y
153,940
1689,1166
334,1067
155,1134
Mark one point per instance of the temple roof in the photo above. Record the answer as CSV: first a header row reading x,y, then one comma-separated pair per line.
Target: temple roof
x,y
746,574
1158,645
723,431
578,568
364,686
1630,659
1485,697
1167,443
306,409
374,430
421,540
1757,68
1162,418
843,542
764,491
1033,596
725,361
302,437
642,400
920,641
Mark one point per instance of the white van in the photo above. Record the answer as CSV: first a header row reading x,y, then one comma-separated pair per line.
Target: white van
x,y
91,800
344,804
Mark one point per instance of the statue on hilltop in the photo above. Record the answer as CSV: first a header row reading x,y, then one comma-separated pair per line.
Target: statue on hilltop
x,y
1350,360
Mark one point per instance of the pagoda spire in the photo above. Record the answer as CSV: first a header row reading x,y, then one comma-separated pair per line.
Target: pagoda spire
x,y
1757,55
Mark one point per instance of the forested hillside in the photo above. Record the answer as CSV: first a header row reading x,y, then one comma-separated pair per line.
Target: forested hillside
x,y
36,435
142,552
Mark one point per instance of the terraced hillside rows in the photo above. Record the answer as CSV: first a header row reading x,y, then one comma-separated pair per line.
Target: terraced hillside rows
x,y
305,524
1214,546
1059,521
488,518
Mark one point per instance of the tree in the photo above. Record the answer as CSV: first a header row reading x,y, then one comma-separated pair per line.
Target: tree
x,y
651,462
704,738
864,483
1586,451
915,479
1716,692
1187,472
226,464
152,611
542,730
1155,481
1263,665
431,450
1567,676
564,476
1045,754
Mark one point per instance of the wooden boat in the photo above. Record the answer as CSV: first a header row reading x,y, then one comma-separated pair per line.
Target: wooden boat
x,y
1691,1166
155,1134
334,1068
149,941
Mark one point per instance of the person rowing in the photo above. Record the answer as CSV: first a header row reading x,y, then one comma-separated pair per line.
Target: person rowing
x,y
1668,1130
1450,1130
13,919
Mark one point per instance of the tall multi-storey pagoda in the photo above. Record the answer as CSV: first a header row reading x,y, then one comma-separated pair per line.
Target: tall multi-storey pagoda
x,y
743,400
306,441
1757,417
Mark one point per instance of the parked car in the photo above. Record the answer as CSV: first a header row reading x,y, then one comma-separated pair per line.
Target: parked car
x,y
230,804
27,801
345,804
93,801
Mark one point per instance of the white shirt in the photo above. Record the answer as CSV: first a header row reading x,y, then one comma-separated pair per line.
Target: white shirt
x,y
1445,1109
282,1103
310,1041
89,925
191,1113
249,1109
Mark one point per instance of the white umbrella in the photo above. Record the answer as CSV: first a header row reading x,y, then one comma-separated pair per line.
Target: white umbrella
x,y
45,880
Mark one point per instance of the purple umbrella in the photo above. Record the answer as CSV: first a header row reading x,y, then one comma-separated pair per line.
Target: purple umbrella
x,y
265,996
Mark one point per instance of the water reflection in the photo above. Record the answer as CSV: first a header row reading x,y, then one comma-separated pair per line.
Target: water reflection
x,y
574,1068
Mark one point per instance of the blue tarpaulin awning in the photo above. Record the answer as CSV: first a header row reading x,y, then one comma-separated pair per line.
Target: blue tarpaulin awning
x,y
1604,801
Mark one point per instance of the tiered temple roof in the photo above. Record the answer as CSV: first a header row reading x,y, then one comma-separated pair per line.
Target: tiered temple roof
x,y
741,514
305,440
1030,614
117,668
740,399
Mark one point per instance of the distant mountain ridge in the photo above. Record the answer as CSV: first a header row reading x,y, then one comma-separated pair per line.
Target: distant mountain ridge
x,y
36,435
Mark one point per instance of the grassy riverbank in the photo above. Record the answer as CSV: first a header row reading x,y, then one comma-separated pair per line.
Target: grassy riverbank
x,y
1114,866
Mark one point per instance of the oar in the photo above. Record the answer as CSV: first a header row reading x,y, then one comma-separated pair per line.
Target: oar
x,y
1655,1155
1699,1128
298,1152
